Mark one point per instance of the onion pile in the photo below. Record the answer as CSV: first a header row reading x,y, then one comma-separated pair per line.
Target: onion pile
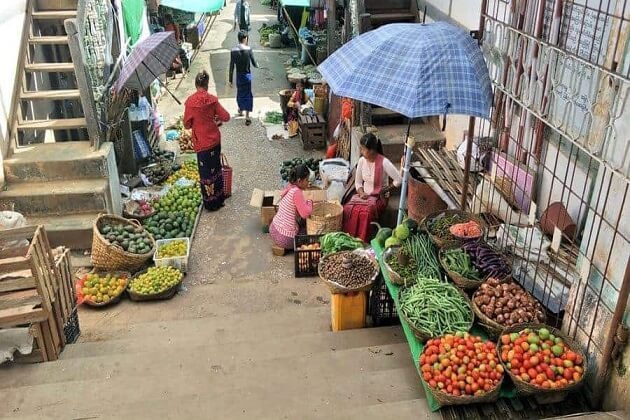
x,y
507,303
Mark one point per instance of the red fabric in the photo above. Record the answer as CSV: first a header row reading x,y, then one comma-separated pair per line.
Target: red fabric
x,y
201,110
346,108
332,151
359,213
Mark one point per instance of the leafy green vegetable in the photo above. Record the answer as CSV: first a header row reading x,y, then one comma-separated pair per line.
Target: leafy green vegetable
x,y
339,241
273,117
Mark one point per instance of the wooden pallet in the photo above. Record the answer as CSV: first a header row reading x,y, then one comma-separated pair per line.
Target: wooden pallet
x,y
445,171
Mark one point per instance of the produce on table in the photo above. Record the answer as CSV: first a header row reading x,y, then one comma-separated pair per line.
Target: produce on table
x,y
435,308
458,261
487,260
101,288
139,208
404,265
173,249
347,269
538,357
188,170
468,230
440,225
156,280
186,144
310,247
135,240
461,364
339,241
162,156
423,252
288,165
176,213
156,172
308,260
266,30
387,237
507,303
382,235
274,117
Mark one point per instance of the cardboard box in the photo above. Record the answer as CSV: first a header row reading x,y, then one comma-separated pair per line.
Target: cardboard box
x,y
268,201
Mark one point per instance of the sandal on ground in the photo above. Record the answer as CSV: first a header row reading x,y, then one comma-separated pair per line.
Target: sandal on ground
x,y
248,122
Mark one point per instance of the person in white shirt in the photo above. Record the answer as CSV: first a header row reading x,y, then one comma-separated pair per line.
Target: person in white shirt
x,y
372,188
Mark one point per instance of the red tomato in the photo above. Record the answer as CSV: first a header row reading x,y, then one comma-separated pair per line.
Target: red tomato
x,y
432,383
532,373
474,387
487,387
468,389
525,377
525,346
546,384
516,363
578,359
534,360
572,356
527,364
456,392
568,374
427,376
550,373
576,376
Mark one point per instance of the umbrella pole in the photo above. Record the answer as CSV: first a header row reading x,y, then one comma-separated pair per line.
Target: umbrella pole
x,y
162,83
471,132
409,144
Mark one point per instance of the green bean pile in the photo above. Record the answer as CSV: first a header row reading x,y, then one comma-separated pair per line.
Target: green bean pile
x,y
435,308
408,272
421,250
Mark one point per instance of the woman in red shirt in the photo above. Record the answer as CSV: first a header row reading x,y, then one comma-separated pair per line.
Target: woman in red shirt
x,y
201,113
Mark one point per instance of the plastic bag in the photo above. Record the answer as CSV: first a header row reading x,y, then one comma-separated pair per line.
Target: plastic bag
x,y
478,159
12,220
335,191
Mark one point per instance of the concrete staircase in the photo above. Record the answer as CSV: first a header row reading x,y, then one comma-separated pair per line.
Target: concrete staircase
x,y
271,365
52,174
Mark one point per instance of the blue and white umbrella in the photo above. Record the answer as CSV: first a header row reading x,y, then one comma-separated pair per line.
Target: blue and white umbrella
x,y
414,69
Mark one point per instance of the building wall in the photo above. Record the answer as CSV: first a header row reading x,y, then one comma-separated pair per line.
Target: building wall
x,y
11,26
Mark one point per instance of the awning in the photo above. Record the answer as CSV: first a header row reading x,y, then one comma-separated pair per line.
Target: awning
x,y
298,3
197,6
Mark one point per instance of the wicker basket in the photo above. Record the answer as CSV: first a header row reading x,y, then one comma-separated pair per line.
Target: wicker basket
x,y
459,280
336,288
421,335
445,399
116,298
326,217
464,216
106,256
163,295
128,215
493,328
549,395
394,277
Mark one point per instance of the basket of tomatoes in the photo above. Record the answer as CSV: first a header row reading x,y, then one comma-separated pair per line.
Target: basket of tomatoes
x,y
461,369
541,360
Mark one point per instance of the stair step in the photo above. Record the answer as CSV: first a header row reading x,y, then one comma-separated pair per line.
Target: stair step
x,y
49,67
392,17
73,231
54,14
61,124
57,197
51,95
48,40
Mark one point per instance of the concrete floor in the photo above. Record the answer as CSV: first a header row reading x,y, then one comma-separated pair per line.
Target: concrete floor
x,y
245,339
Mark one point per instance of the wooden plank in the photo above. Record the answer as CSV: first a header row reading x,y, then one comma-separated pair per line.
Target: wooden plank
x,y
10,265
26,232
49,67
48,40
16,284
50,333
23,315
51,95
39,337
60,124
13,252
21,298
54,14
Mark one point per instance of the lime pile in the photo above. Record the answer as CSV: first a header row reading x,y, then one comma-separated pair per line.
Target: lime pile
x,y
102,288
175,213
132,239
173,249
156,280
188,170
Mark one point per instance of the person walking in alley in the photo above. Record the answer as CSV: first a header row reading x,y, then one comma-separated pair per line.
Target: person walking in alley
x,y
202,112
240,58
241,15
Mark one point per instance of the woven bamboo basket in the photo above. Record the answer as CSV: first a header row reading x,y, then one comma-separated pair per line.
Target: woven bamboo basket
x,y
106,256
326,217
128,215
445,399
543,394
394,277
116,298
163,295
336,288
459,280
493,328
451,240
423,336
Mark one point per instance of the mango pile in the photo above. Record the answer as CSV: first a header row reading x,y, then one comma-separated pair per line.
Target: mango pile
x,y
173,249
102,288
188,170
156,280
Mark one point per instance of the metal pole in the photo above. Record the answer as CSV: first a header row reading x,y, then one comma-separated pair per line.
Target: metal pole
x,y
471,132
409,144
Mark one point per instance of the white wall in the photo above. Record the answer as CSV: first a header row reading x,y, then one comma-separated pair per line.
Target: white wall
x,y
11,26
465,12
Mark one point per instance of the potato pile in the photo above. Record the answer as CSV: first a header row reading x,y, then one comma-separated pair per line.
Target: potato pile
x,y
507,303
347,269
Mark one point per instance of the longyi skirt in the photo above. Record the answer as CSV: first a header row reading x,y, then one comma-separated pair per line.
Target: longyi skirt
x,y
209,164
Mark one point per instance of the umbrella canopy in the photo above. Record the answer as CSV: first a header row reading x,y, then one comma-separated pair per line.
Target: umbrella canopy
x,y
149,58
414,69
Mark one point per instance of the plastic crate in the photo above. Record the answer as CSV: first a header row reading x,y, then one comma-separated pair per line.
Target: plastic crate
x,y
382,306
306,261
181,263
71,329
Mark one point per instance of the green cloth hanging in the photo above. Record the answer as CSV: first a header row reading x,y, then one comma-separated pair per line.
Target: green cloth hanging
x,y
197,6
133,11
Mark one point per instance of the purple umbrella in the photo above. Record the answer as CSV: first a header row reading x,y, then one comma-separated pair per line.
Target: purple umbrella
x,y
149,58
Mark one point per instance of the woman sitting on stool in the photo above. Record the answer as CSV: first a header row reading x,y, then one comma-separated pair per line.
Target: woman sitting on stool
x,y
284,225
